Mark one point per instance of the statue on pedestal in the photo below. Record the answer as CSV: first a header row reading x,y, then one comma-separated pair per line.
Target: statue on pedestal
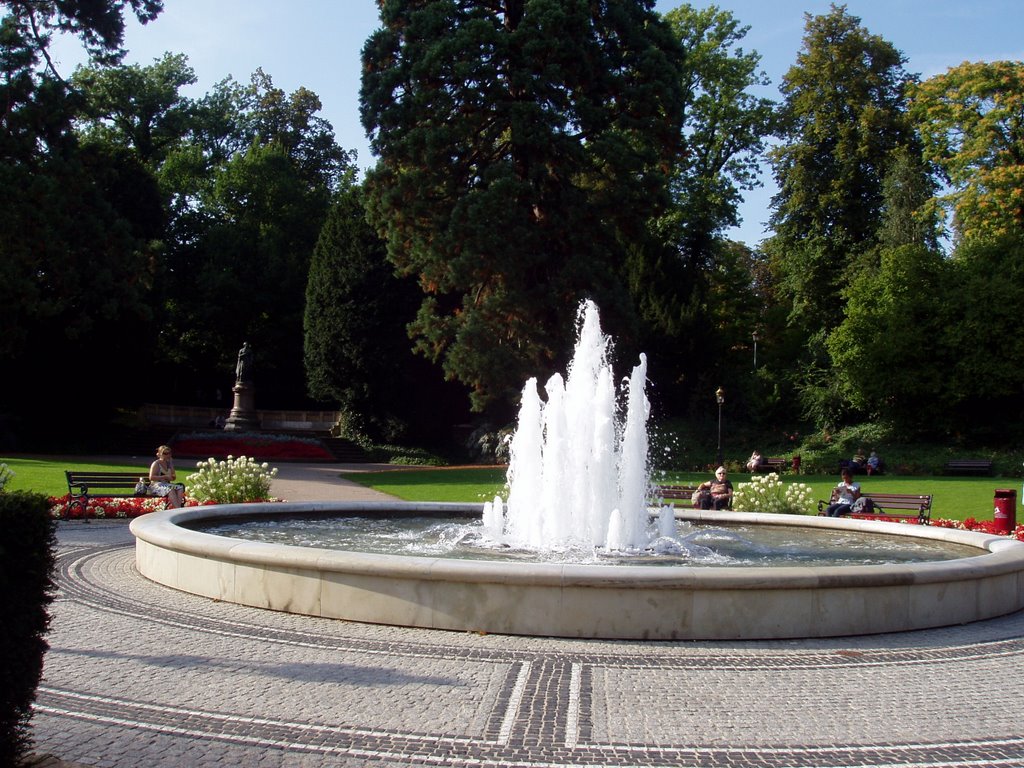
x,y
243,369
243,416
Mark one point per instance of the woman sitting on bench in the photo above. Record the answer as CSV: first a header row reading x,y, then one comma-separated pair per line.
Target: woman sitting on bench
x,y
715,494
845,494
162,476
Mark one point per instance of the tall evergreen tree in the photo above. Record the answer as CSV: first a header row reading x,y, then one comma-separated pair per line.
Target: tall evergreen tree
x,y
521,143
843,117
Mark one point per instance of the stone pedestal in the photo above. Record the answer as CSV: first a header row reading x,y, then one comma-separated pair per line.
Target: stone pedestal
x,y
243,416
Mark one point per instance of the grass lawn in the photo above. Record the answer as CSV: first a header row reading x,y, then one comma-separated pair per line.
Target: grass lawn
x,y
955,498
44,475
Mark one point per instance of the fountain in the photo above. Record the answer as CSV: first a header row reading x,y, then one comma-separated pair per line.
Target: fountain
x,y
573,482
577,483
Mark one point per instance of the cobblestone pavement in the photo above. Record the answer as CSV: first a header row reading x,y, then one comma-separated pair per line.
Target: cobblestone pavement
x,y
141,675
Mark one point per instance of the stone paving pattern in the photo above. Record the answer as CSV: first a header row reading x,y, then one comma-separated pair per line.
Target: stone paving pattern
x,y
141,675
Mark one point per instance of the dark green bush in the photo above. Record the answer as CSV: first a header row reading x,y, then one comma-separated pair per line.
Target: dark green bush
x,y
27,552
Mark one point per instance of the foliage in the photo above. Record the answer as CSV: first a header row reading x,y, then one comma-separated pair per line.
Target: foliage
x,y
357,351
843,118
77,221
137,108
767,493
244,177
908,217
6,475
519,145
694,291
972,121
233,481
983,297
724,128
889,355
27,555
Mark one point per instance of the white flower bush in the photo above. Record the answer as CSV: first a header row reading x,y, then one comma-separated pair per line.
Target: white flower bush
x,y
767,493
231,482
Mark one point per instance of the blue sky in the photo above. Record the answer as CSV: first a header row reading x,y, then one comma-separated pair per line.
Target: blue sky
x,y
317,43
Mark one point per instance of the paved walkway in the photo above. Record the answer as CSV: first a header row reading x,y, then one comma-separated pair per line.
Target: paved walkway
x,y
140,675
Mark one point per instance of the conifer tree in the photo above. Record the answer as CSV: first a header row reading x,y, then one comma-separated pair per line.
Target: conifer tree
x,y
521,144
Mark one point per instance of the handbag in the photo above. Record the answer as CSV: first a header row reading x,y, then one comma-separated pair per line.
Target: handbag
x,y
142,487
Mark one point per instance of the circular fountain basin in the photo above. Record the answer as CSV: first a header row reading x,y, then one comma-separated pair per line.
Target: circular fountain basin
x,y
582,600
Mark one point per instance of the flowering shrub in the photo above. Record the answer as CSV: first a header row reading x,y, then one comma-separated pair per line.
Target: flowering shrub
x,y
264,445
5,476
231,482
767,493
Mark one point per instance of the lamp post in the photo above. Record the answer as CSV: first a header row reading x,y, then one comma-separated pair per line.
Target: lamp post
x,y
755,351
720,398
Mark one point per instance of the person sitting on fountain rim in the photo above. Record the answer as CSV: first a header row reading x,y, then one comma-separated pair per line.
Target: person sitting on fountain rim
x,y
717,493
845,494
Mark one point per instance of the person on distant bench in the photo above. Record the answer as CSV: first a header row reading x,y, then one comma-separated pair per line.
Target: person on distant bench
x,y
874,464
162,477
754,461
858,462
717,493
844,495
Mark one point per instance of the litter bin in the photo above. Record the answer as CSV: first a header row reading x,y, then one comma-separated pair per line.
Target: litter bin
x,y
1004,514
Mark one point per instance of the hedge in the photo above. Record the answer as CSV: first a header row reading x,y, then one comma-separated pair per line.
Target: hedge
x,y
27,556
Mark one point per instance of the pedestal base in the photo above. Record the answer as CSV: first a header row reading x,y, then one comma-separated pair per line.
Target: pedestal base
x,y
243,416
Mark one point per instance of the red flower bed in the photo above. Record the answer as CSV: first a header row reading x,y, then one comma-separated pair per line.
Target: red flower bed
x,y
263,450
101,508
980,526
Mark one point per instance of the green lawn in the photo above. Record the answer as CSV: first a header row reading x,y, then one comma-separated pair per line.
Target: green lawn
x,y
47,475
955,498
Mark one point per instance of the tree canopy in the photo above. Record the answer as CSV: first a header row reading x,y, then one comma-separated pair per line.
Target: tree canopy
x,y
843,117
519,144
972,121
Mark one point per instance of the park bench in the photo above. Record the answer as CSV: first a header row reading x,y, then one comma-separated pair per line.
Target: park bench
x,y
891,507
680,495
108,485
968,466
772,465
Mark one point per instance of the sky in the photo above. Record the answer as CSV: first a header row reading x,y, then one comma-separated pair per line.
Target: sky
x,y
316,44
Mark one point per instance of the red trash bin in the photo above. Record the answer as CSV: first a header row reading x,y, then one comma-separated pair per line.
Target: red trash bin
x,y
1005,510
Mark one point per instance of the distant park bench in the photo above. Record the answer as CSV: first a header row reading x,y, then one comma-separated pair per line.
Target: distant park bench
x,y
968,466
680,495
891,507
772,465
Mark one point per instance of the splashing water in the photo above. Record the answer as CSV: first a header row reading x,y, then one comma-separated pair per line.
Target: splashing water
x,y
577,479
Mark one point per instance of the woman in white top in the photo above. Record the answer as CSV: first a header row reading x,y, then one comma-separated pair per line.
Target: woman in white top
x,y
162,477
845,494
